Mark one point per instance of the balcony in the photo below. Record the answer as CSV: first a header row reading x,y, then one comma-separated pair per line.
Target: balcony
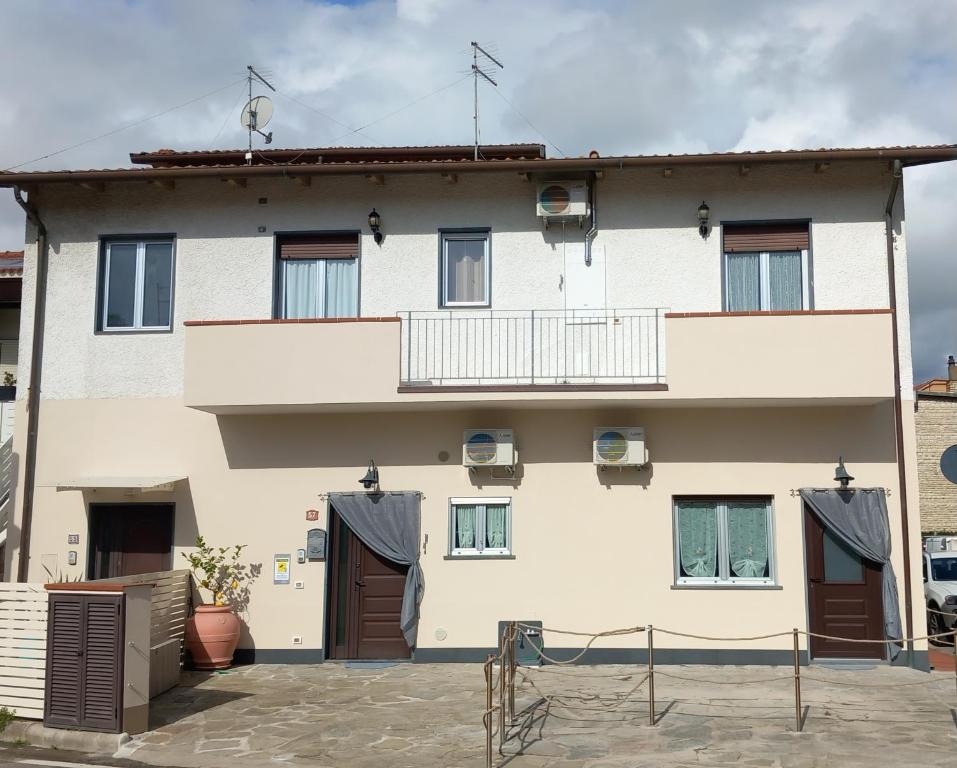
x,y
589,359
524,348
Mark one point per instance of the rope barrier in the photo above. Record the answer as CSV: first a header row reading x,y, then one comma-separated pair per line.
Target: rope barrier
x,y
932,681
588,645
707,637
724,682
624,631
942,613
859,640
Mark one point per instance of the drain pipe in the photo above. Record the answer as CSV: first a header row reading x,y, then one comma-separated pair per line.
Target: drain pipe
x,y
33,391
898,408
593,229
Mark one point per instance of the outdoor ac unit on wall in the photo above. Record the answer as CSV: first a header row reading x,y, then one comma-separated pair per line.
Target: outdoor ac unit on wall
x,y
562,199
619,447
488,448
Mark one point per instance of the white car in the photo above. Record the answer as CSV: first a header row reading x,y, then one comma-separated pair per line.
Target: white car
x,y
940,591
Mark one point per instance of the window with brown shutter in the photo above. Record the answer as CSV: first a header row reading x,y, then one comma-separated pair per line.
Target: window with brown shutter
x,y
332,246
766,267
319,275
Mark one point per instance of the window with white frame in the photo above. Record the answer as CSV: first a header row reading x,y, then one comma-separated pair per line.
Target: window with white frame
x,y
465,269
137,288
723,541
480,527
766,267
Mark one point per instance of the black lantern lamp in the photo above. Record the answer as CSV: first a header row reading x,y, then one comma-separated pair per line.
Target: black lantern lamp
x,y
371,479
375,224
841,475
704,214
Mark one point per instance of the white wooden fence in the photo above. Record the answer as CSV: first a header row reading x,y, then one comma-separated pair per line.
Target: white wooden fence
x,y
23,648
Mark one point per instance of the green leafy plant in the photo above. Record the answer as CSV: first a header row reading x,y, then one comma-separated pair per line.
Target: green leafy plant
x,y
9,379
6,717
60,577
218,570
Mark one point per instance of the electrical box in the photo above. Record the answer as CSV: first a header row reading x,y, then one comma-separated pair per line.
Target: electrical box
x,y
529,643
316,544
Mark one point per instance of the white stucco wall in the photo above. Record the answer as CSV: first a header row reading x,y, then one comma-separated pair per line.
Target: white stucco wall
x,y
648,229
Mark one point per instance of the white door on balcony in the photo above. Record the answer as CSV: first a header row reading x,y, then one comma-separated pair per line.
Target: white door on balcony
x,y
585,334
584,283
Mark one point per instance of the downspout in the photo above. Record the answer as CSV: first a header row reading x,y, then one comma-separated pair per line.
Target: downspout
x,y
593,229
33,391
898,408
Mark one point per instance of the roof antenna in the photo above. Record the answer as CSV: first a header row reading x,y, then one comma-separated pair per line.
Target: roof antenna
x,y
257,112
476,71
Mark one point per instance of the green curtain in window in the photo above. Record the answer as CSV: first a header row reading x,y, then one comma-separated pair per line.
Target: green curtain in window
x,y
698,538
784,276
748,538
744,282
495,526
465,526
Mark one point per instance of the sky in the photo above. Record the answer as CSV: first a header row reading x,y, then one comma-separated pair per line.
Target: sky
x,y
620,77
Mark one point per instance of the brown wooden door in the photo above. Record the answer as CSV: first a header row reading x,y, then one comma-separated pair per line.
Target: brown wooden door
x,y
365,599
128,539
844,596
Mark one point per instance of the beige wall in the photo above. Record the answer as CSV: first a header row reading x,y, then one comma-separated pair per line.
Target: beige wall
x,y
593,550
936,420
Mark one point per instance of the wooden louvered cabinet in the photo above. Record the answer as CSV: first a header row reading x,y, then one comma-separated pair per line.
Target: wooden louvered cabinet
x,y
98,657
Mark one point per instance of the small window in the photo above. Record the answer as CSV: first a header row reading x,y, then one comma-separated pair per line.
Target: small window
x,y
766,267
723,541
465,269
319,275
137,285
480,527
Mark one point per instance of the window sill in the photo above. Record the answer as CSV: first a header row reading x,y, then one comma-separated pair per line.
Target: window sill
x,y
129,331
727,586
478,557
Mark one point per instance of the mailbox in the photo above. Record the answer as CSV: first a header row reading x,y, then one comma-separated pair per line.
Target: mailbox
x,y
316,544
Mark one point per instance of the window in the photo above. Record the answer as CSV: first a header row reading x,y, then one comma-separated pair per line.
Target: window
x,y
766,267
319,276
465,269
137,285
480,527
723,541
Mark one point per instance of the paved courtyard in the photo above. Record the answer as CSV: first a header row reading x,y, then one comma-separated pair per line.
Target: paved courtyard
x,y
430,715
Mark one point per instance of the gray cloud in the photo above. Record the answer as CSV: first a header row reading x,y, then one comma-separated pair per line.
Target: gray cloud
x,y
614,76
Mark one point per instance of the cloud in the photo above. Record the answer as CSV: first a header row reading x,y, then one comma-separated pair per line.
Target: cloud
x,y
617,76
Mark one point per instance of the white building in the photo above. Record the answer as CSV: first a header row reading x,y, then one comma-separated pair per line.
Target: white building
x,y
226,344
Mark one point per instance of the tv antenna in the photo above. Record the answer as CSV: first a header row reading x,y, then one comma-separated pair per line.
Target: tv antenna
x,y
257,112
476,71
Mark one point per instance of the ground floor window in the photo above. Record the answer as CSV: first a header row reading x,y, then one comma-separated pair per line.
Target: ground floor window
x,y
480,527
723,541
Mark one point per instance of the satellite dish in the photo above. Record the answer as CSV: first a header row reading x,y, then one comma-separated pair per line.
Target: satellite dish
x,y
257,113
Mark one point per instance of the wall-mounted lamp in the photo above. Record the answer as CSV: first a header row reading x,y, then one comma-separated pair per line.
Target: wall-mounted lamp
x,y
841,475
704,213
375,224
371,479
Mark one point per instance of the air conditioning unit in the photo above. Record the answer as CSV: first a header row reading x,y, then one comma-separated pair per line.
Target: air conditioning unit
x,y
619,447
562,199
488,448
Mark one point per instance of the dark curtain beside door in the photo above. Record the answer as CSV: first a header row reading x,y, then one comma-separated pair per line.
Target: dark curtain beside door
x,y
389,524
858,517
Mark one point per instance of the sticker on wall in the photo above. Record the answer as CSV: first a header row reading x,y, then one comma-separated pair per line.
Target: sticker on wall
x,y
281,566
312,515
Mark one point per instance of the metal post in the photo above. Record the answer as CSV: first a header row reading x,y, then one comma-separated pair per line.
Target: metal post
x,y
797,684
651,675
513,663
501,689
489,661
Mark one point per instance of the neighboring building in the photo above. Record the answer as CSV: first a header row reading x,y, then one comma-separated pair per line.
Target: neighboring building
x,y
227,344
11,280
936,422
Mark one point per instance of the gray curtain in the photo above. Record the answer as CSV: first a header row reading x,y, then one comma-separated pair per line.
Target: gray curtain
x,y
858,517
744,282
389,523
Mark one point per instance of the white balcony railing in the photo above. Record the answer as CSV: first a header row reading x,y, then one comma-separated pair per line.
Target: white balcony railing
x,y
525,347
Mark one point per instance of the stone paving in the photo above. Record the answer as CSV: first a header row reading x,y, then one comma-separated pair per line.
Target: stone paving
x,y
596,717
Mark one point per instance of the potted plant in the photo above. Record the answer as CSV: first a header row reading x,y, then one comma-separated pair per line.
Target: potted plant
x,y
212,632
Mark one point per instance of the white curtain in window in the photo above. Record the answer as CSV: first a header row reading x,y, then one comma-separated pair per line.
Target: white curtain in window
x,y
301,288
784,276
748,538
340,288
465,270
698,538
465,526
744,282
495,526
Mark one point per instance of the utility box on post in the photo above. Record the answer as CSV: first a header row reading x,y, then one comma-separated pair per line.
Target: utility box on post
x,y
98,657
528,643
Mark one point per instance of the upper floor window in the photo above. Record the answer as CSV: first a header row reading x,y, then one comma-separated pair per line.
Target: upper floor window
x,y
465,269
319,275
723,541
766,267
137,285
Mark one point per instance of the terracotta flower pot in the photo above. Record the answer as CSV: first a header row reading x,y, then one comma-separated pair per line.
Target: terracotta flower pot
x,y
212,634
